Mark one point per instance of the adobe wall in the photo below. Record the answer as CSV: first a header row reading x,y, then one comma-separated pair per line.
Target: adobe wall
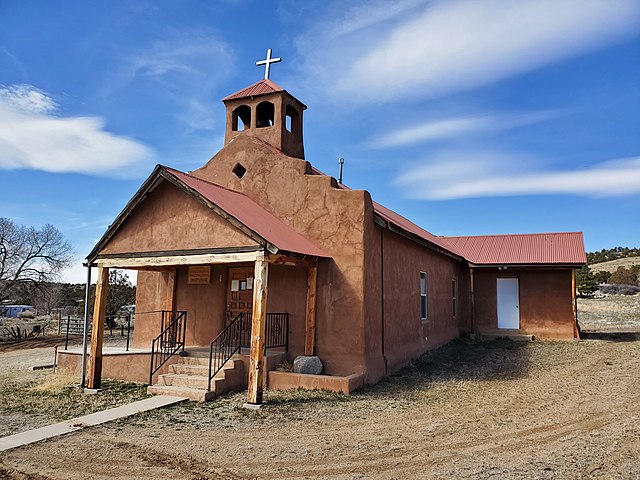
x,y
290,143
288,294
170,219
151,292
406,335
546,308
204,304
128,367
331,218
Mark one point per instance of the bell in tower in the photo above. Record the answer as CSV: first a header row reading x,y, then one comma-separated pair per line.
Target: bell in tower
x,y
268,112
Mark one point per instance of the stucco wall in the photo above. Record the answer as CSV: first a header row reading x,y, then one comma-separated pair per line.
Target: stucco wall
x,y
170,219
288,294
406,335
131,367
205,305
546,309
150,294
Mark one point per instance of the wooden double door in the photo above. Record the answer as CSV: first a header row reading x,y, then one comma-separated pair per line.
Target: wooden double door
x,y
239,292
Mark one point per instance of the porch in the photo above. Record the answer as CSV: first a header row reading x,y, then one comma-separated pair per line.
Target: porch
x,y
252,342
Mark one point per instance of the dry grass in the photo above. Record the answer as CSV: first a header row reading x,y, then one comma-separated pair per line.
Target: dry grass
x,y
609,314
612,265
31,399
55,383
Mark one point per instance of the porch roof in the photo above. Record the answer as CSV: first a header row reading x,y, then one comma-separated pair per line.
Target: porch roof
x,y
259,224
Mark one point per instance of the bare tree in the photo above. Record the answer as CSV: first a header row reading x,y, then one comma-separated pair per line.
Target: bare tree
x,y
30,257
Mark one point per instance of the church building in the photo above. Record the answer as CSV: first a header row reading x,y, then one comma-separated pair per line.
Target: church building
x,y
257,258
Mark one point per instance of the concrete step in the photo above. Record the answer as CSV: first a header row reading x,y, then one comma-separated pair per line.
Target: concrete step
x,y
187,369
516,337
203,361
190,377
181,380
195,394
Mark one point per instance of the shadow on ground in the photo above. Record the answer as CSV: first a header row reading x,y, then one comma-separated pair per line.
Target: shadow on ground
x,y
461,360
611,336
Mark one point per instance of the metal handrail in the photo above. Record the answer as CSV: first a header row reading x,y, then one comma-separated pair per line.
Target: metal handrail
x,y
237,335
226,344
170,340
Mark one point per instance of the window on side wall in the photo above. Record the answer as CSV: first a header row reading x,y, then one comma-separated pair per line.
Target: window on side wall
x,y
423,295
454,296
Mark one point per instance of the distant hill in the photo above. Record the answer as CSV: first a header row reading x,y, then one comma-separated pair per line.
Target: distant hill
x,y
612,265
606,255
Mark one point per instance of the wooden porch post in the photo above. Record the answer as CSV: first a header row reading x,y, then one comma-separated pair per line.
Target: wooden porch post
x,y
574,304
310,332
170,283
258,322
97,334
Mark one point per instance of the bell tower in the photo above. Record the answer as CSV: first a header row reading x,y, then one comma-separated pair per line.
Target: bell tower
x,y
266,111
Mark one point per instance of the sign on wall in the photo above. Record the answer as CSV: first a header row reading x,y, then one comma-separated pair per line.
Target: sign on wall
x,y
199,275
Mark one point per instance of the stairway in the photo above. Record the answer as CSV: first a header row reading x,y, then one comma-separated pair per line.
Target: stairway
x,y
188,378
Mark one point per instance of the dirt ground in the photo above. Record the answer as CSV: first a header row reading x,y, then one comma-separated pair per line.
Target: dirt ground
x,y
501,409
469,410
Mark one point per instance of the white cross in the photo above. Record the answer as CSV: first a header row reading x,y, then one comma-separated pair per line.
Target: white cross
x,y
267,63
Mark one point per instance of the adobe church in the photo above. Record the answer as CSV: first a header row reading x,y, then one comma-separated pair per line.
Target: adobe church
x,y
258,258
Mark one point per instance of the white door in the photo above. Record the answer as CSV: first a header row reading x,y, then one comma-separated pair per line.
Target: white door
x,y
508,303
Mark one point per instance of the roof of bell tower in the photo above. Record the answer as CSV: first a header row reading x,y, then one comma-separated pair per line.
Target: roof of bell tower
x,y
263,87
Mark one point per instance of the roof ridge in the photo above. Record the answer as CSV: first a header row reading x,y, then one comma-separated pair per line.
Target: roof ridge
x,y
203,180
511,235
248,91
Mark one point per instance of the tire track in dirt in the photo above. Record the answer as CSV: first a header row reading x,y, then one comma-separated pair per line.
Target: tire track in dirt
x,y
15,474
183,462
384,461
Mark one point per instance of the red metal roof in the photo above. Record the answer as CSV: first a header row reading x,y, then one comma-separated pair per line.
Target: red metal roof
x,y
525,249
250,214
398,220
262,87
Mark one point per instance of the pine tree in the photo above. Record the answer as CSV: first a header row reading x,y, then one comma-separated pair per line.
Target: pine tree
x,y
586,281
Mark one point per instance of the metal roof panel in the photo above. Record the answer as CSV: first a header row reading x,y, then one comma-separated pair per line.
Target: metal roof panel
x,y
564,248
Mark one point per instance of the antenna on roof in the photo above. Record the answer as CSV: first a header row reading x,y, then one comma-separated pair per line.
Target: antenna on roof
x,y
341,162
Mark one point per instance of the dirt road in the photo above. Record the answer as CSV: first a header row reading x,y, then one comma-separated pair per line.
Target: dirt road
x,y
492,410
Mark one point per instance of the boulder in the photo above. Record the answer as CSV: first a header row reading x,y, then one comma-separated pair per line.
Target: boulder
x,y
307,364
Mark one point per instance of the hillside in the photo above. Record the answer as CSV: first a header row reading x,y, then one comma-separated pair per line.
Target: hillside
x,y
612,265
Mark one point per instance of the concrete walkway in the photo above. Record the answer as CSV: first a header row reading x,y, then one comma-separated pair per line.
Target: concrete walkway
x,y
68,426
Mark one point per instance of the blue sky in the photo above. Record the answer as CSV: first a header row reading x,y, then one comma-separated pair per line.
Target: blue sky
x,y
467,117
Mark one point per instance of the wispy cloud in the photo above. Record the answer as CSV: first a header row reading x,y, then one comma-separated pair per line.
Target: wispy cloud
x,y
184,68
452,128
454,45
454,176
32,136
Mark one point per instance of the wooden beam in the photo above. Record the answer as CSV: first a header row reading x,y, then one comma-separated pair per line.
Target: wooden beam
x,y
170,289
281,259
310,331
97,334
472,299
258,323
203,259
